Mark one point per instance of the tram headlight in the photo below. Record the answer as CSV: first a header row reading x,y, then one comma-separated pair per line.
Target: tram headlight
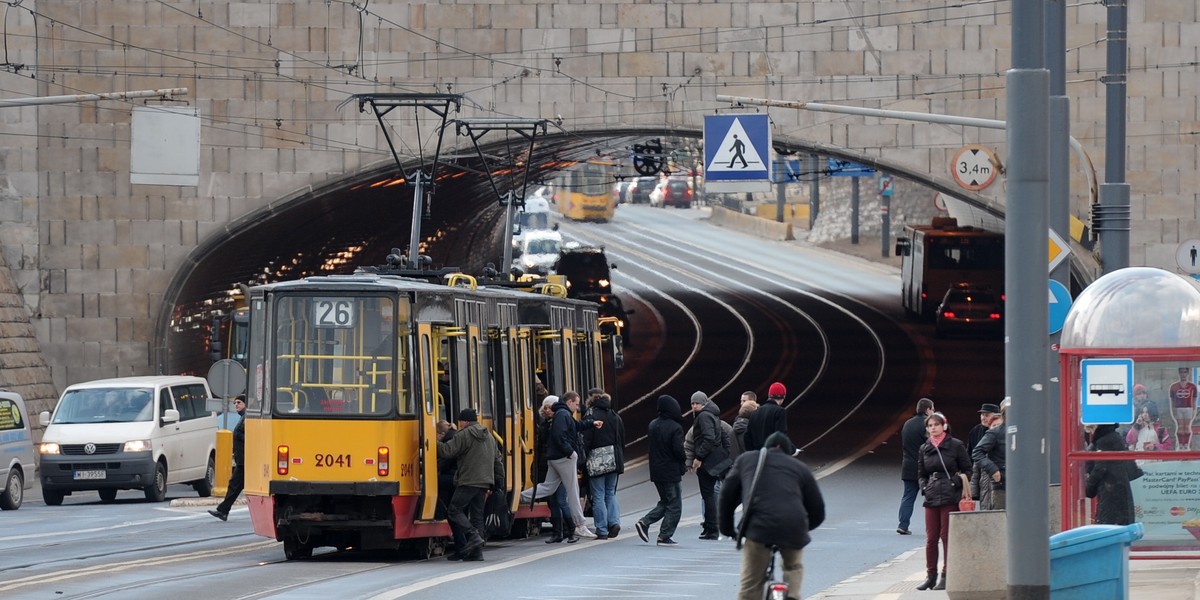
x,y
282,458
382,462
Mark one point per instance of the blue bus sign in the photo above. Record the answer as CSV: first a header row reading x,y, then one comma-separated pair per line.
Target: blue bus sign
x,y
1106,391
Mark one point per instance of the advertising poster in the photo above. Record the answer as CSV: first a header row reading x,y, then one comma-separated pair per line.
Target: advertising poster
x,y
1167,502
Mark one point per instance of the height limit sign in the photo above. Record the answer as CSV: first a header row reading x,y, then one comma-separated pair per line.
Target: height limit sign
x,y
974,167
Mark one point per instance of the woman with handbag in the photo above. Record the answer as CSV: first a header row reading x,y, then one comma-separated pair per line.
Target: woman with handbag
x,y
941,465
605,462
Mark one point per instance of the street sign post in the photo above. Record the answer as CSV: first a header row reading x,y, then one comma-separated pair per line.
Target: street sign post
x,y
1060,305
737,153
1106,390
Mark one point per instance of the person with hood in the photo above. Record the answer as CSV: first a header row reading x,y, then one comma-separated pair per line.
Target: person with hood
x,y
562,456
557,501
769,418
606,512
737,432
474,449
1108,480
712,460
237,481
777,512
665,436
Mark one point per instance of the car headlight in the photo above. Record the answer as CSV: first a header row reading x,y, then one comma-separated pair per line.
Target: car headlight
x,y
137,446
49,448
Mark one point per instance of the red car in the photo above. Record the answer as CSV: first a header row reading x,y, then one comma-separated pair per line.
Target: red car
x,y
677,193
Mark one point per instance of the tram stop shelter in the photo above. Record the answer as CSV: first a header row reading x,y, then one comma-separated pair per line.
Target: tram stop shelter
x,y
1129,359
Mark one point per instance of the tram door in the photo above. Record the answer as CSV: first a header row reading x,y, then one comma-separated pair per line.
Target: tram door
x,y
426,361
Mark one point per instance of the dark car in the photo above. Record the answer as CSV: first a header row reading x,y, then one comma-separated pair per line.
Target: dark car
x,y
972,309
641,188
677,193
589,277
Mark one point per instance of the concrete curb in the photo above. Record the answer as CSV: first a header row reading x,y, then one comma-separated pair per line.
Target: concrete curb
x,y
763,228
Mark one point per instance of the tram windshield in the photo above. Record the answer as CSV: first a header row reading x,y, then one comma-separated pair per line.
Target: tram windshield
x,y
340,355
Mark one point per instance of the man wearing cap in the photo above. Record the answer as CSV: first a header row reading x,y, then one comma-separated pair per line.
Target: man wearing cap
x,y
478,462
989,460
769,418
986,413
238,480
712,460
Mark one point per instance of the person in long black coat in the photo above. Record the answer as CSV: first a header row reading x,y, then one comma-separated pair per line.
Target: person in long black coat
x,y
666,471
1108,480
779,512
942,466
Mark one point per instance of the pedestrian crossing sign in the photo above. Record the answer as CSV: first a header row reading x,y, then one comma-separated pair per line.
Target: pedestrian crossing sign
x,y
737,152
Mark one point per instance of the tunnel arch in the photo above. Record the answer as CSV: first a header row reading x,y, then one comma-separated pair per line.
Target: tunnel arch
x,y
357,218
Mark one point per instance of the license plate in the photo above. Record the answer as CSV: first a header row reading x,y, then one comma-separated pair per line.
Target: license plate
x,y
90,475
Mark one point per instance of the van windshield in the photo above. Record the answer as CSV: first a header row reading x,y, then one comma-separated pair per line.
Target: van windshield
x,y
105,405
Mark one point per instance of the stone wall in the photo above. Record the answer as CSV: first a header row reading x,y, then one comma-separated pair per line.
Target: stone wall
x,y
91,253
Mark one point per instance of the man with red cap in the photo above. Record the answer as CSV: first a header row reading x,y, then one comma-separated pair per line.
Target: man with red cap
x,y
769,418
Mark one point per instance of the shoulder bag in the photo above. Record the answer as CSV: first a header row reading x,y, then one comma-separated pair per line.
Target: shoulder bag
x,y
602,460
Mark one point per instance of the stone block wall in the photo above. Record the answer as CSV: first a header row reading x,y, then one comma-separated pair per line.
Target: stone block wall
x,y
90,253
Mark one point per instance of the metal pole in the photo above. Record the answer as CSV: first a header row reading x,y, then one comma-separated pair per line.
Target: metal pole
x,y
1025,289
814,196
1111,216
854,210
509,214
414,239
1059,200
163,93
885,209
780,197
1084,160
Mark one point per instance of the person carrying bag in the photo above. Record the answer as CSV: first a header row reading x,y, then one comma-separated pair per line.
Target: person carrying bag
x,y
941,465
781,504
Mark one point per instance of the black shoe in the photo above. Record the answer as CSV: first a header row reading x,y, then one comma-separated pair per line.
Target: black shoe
x,y
930,581
613,530
472,543
455,556
218,514
667,542
571,539
555,540
642,531
710,536
602,536
941,584
474,558
903,531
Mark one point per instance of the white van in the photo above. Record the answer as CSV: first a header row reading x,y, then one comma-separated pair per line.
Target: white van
x,y
16,450
129,433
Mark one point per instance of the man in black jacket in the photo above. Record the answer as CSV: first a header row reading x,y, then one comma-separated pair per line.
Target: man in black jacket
x,y
712,459
769,418
912,435
666,471
778,512
238,480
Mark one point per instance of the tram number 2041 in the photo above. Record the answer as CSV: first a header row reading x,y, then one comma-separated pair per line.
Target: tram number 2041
x,y
333,460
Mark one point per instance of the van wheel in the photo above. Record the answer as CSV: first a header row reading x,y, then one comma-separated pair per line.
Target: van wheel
x,y
204,487
52,497
107,496
14,491
157,491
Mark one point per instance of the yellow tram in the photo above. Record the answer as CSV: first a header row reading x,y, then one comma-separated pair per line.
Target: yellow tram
x,y
584,191
348,376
